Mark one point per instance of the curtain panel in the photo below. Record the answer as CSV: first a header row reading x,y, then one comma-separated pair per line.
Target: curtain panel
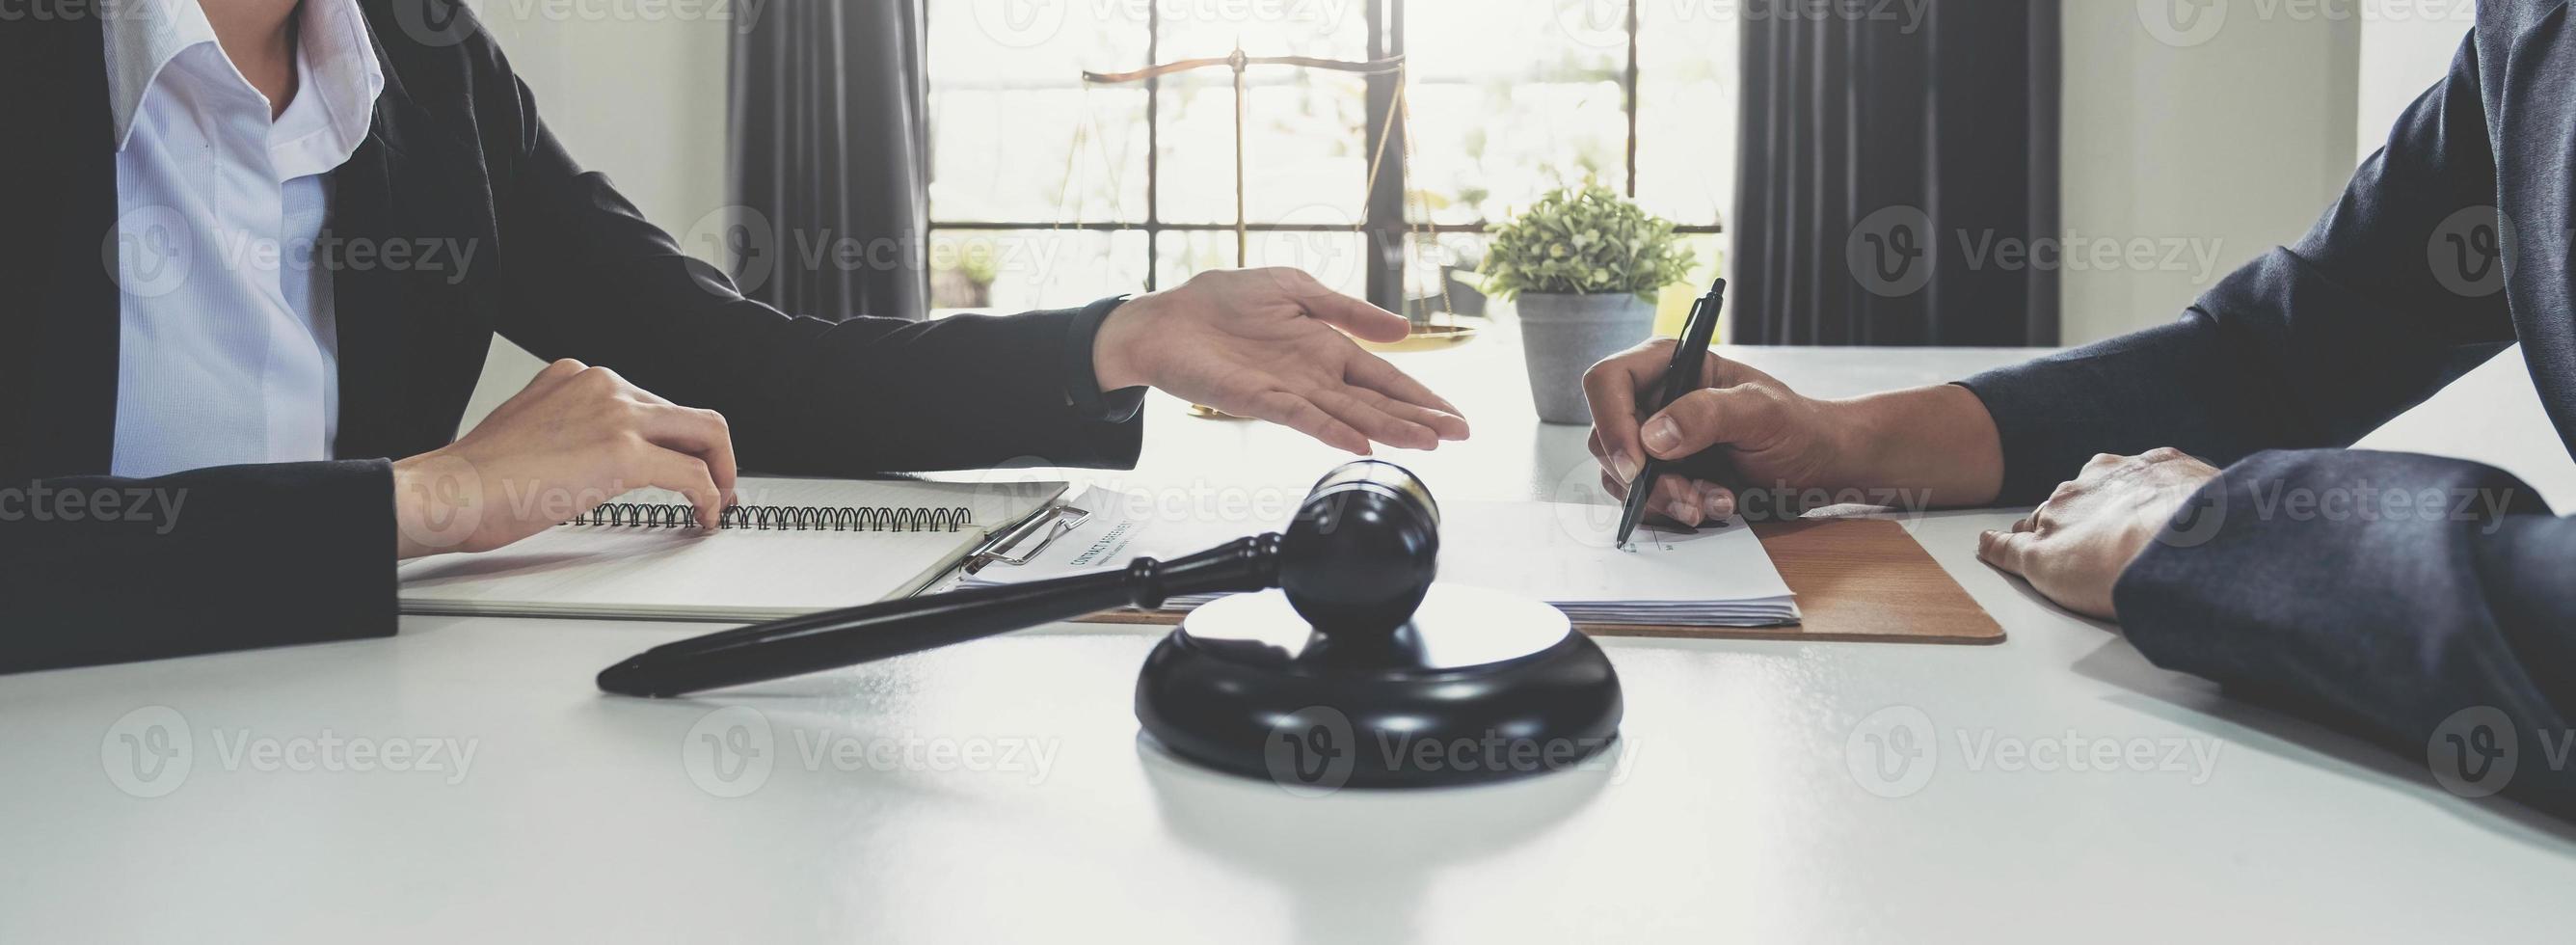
x,y
1898,162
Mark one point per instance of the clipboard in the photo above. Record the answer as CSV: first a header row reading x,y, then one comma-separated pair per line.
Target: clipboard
x,y
1022,543
1858,580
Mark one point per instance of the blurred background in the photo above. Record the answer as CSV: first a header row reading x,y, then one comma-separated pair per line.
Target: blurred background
x,y
2078,169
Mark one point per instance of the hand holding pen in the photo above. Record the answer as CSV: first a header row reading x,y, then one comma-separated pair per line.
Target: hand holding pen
x,y
1681,376
1742,429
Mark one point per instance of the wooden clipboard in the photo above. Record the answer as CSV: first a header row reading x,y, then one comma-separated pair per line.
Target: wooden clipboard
x,y
1857,580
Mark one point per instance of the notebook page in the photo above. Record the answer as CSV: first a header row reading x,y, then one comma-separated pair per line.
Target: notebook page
x,y
671,573
734,573
1566,554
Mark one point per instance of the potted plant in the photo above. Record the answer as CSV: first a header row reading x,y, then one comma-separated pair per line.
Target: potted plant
x,y
968,284
1585,265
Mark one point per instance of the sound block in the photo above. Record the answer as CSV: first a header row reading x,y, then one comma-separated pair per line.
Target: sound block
x,y
1480,686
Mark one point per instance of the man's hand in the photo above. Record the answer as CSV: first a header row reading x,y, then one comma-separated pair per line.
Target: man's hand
x,y
2074,546
1263,343
1745,429
576,437
1772,434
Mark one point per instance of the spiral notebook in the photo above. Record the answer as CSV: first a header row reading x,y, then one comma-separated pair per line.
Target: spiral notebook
x,y
788,547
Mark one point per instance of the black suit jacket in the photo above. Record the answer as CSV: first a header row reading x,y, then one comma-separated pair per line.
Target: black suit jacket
x,y
563,266
2329,579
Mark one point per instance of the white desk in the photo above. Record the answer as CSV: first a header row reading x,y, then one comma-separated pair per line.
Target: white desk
x,y
1733,810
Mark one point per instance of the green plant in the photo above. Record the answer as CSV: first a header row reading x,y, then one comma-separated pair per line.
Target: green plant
x,y
1585,240
979,266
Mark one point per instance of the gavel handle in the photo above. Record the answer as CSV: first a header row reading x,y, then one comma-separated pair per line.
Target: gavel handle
x,y
871,632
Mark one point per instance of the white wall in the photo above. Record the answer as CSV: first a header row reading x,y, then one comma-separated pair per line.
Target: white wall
x,y
2400,58
640,99
2222,144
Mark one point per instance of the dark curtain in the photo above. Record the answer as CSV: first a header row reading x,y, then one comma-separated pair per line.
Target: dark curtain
x,y
1894,173
830,157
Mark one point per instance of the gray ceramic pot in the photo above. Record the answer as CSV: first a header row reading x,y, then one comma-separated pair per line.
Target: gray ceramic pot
x,y
1564,335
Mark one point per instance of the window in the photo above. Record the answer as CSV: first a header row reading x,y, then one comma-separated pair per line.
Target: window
x,y
1047,190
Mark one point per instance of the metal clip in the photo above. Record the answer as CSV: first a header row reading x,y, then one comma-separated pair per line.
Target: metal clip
x,y
1056,522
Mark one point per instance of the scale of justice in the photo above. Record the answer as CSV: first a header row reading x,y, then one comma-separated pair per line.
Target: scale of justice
x,y
1431,329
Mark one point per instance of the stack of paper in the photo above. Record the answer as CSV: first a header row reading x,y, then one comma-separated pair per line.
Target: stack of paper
x,y
1715,577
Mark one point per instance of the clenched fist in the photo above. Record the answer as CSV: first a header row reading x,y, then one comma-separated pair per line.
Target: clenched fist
x,y
575,437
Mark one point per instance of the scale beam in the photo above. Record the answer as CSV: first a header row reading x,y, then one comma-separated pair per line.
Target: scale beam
x,y
1238,60
1240,63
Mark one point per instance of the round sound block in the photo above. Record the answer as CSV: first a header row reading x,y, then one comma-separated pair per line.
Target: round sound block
x,y
1481,686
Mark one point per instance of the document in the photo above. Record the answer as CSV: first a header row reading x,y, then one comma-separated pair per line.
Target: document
x,y
1716,576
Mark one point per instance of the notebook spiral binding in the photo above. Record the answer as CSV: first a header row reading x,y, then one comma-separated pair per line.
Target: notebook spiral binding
x,y
781,518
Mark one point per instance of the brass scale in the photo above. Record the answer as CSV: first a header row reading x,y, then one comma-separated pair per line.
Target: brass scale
x,y
1440,329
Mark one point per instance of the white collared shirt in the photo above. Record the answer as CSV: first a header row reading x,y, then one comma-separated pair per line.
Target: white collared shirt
x,y
228,345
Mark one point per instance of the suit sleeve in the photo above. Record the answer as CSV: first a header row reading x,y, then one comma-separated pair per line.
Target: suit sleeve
x,y
105,570
586,277
2403,596
2309,346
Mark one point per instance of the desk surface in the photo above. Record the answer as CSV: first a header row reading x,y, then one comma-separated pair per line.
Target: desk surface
x,y
997,792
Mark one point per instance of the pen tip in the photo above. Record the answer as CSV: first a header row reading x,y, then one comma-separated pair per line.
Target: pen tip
x,y
625,679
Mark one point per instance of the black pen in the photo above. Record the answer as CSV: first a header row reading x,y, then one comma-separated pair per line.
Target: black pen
x,y
1680,378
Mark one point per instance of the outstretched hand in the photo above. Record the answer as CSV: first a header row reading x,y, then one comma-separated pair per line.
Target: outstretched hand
x,y
1270,344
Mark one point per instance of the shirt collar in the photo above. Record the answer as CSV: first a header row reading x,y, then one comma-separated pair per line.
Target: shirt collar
x,y
143,36
336,62
338,72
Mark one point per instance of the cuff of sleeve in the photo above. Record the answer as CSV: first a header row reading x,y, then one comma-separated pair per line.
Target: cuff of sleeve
x,y
2285,535
1082,385
204,561
339,540
2034,423
2164,386
2168,586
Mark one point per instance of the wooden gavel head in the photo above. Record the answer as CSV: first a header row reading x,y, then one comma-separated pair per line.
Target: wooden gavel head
x,y
1362,552
1359,650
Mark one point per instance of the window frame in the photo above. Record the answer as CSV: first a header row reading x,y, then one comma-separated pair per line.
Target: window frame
x,y
1384,225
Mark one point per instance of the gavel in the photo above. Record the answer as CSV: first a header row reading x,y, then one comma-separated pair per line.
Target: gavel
x,y
1355,563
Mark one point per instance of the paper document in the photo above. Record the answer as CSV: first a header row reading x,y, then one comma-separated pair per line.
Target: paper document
x,y
1563,554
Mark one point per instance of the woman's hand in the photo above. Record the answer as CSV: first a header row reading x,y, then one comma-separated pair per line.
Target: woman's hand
x,y
577,436
2074,546
1270,344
